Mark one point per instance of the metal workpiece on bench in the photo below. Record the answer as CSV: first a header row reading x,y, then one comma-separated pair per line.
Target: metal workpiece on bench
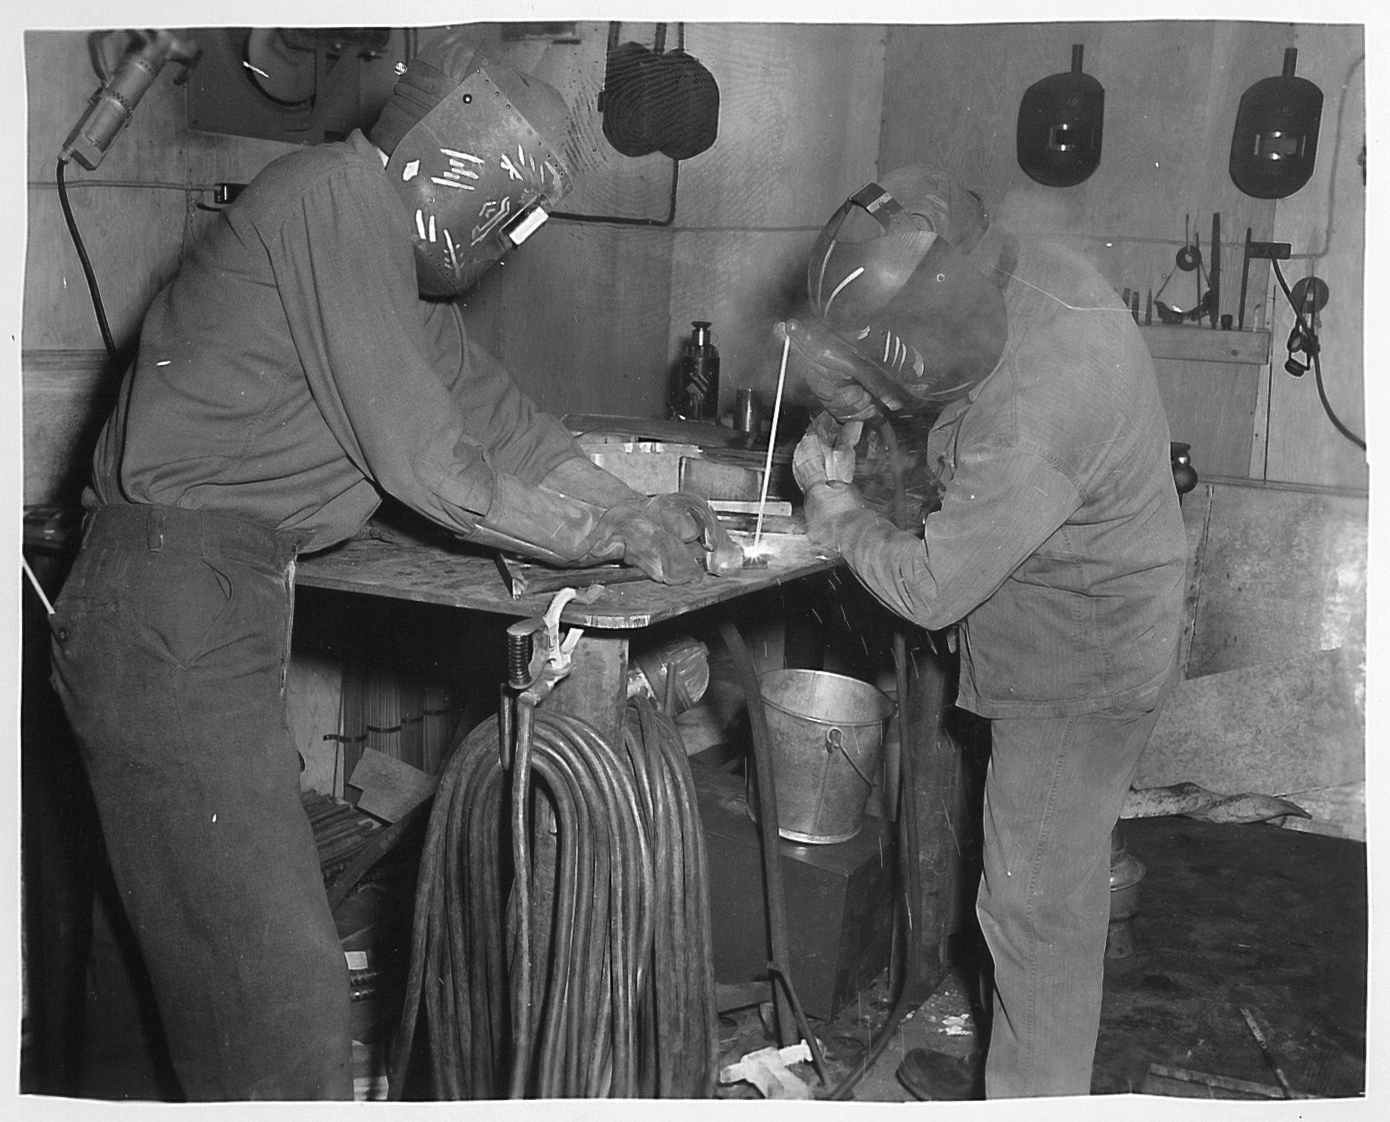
x,y
467,578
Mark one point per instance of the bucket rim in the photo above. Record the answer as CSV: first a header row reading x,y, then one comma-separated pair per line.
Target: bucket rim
x,y
890,702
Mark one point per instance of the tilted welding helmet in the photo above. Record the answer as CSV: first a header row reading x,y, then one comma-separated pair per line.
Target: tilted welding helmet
x,y
900,307
477,152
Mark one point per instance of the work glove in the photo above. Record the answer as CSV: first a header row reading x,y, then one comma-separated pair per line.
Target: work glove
x,y
566,531
844,398
826,452
672,512
624,533
829,372
828,506
679,509
580,478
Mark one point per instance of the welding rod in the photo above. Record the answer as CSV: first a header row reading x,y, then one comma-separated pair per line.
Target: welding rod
x,y
772,439
1264,1049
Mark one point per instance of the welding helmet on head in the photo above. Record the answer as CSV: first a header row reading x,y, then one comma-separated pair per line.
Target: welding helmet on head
x,y
899,305
477,152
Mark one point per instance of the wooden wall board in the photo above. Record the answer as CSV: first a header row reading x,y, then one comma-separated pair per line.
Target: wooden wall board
x,y
800,107
1172,88
792,145
66,397
1171,91
579,318
1325,223
1211,406
58,308
744,283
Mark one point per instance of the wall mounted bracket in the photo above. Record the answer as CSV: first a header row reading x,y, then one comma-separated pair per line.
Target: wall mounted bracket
x,y
1267,251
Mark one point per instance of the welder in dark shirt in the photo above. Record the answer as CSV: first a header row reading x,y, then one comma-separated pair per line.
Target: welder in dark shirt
x,y
1056,556
307,358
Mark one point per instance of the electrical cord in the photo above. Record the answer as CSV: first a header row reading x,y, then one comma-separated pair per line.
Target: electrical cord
x,y
1310,344
618,220
576,960
86,262
909,856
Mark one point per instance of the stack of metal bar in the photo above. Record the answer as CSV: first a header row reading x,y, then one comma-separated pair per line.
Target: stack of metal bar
x,y
340,831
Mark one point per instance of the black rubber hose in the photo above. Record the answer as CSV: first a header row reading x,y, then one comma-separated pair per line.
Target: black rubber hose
x,y
1307,331
521,889
556,774
86,262
592,1029
430,857
909,863
628,844
611,854
702,1039
637,745
484,1022
589,924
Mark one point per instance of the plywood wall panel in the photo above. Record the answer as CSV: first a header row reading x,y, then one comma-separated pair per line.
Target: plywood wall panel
x,y
1325,223
798,132
1221,430
579,318
1172,89
67,396
58,307
799,119
744,283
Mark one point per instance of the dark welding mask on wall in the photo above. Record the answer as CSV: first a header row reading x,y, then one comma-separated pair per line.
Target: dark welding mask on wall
x,y
1275,142
899,306
477,170
655,100
1060,121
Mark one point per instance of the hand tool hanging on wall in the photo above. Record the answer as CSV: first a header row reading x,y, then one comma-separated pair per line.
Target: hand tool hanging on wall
x,y
1214,278
1188,260
1306,299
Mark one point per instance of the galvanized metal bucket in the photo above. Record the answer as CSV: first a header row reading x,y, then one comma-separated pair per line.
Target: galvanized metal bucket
x,y
827,736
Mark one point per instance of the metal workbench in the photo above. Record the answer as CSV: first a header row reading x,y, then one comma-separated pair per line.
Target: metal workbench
x,y
469,579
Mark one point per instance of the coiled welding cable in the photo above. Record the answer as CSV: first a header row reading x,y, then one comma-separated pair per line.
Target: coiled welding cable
x,y
596,968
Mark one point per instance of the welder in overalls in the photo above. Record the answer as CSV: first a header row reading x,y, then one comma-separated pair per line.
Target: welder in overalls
x,y
307,358
1056,556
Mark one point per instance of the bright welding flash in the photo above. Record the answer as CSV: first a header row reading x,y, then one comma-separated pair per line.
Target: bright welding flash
x,y
526,225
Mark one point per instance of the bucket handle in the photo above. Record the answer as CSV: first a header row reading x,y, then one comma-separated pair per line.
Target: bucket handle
x,y
835,742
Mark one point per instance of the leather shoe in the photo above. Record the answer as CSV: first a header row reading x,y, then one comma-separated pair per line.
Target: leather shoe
x,y
935,1076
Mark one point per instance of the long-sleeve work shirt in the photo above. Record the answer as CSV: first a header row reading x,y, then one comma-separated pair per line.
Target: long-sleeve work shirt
x,y
290,372
1059,547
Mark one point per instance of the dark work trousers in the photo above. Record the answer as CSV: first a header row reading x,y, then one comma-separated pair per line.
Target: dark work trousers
x,y
170,646
1053,793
